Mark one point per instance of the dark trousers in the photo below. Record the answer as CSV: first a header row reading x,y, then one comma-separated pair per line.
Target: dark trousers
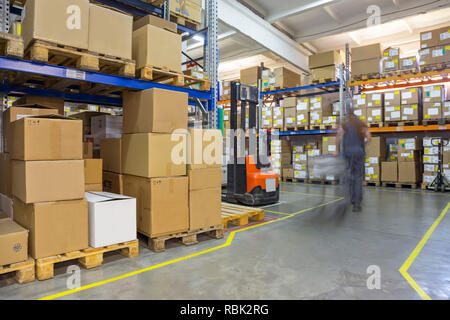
x,y
354,179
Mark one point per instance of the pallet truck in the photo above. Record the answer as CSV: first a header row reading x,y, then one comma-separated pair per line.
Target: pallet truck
x,y
440,183
250,180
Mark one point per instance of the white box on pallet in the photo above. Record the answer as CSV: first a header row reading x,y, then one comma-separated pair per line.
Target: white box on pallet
x,y
112,218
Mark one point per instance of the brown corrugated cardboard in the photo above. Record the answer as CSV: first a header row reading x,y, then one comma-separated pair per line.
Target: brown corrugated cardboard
x,y
289,117
155,21
93,170
70,22
372,173
425,57
18,112
315,118
410,112
391,64
266,117
205,149
375,115
434,94
444,36
49,102
287,173
409,172
86,117
375,100
110,32
411,96
5,175
88,150
280,78
389,171
392,113
290,102
191,9
329,145
440,54
162,204
93,187
55,227
302,104
51,137
372,51
4,216
13,243
429,38
409,144
432,110
324,73
140,159
325,59
366,67
361,113
40,181
302,118
112,182
360,100
376,147
408,63
391,53
409,156
166,55
392,98
154,110
205,208
205,178
278,117
250,76
111,153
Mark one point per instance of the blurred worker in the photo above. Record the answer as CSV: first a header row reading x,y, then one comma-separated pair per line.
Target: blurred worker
x,y
354,132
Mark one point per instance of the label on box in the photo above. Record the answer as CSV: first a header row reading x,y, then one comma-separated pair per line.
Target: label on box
x,y
428,179
390,109
437,53
300,174
369,170
390,65
301,116
395,115
406,95
445,35
361,102
76,74
302,106
277,112
433,111
376,97
426,36
289,120
266,122
389,96
332,148
408,62
408,111
429,168
315,116
358,112
316,105
376,112
435,93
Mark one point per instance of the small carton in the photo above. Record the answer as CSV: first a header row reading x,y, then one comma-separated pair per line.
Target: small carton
x,y
409,172
13,242
112,182
375,100
372,173
376,147
329,145
375,115
389,171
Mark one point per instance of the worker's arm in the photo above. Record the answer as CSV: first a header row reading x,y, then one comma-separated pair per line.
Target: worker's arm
x,y
338,140
367,134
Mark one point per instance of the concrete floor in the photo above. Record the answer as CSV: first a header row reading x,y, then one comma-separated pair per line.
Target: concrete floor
x,y
321,253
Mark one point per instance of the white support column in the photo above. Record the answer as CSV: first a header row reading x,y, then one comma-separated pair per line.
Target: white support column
x,y
246,22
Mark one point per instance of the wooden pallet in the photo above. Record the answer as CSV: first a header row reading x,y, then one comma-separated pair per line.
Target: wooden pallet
x,y
11,45
323,80
162,75
369,76
435,67
315,181
435,122
191,24
60,55
376,125
328,126
399,72
400,185
200,84
315,127
408,123
88,258
391,123
424,185
331,182
23,271
158,244
296,128
240,215
371,183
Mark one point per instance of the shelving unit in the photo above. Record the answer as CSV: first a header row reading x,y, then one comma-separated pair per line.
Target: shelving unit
x,y
30,73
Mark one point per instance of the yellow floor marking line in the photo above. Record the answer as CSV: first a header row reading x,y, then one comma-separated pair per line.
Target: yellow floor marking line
x,y
226,244
404,268
311,194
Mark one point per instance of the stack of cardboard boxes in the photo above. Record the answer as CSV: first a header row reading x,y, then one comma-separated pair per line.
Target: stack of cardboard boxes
x,y
411,99
360,106
281,155
430,158
409,160
111,154
300,162
302,115
266,117
290,113
434,47
278,117
375,155
392,106
48,184
324,66
434,98
321,110
391,60
329,147
389,168
250,76
366,60
314,149
375,108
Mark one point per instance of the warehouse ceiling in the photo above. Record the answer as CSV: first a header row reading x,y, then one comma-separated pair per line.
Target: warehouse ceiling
x,y
321,25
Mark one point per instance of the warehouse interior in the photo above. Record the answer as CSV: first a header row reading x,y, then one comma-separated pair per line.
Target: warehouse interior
x,y
199,149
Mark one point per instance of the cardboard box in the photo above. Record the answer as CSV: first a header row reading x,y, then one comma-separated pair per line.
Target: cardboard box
x,y
432,110
208,178
411,96
391,65
70,22
315,118
302,118
434,94
389,171
188,9
409,63
360,101
301,174
289,117
429,38
393,113
250,76
111,153
93,170
110,32
86,117
4,216
361,113
410,112
329,145
155,21
303,104
55,227
112,182
425,57
51,137
368,66
280,78
391,53
287,173
409,144
6,205
105,126
140,159
325,59
40,181
409,156
392,98
204,149
278,117
154,110
5,175
375,100
372,173
446,110
166,55
376,147
430,168
322,103
88,150
409,172
162,204
375,115
324,73
266,117
49,102
16,113
440,54
363,53
205,207
112,219
13,243
444,35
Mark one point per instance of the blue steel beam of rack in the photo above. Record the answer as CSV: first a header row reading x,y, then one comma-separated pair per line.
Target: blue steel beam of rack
x,y
306,132
321,85
32,67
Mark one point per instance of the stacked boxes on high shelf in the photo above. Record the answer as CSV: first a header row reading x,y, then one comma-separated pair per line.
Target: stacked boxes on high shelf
x,y
366,62
392,107
375,154
281,156
266,117
48,184
302,115
435,105
411,103
290,113
321,111
324,66
280,78
391,60
278,117
434,50
375,109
